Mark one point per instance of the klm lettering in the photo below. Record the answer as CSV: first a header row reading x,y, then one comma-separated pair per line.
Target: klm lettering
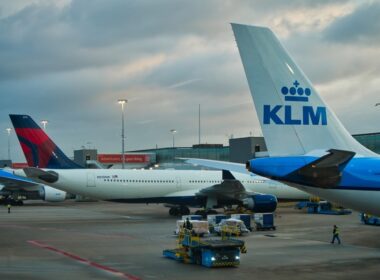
x,y
280,114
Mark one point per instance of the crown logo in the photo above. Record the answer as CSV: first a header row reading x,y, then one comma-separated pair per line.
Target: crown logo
x,y
296,93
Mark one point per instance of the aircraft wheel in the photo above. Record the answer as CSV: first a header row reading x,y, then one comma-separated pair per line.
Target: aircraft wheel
x,y
212,212
200,212
203,213
184,210
173,211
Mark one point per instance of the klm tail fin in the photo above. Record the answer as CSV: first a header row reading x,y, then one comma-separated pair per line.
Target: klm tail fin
x,y
39,150
293,117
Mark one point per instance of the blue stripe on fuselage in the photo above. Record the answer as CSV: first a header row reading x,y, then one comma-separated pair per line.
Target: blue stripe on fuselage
x,y
360,173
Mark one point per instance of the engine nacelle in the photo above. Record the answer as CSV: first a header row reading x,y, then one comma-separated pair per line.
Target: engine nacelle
x,y
51,194
261,203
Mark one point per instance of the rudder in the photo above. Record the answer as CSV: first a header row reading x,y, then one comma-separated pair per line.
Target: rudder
x,y
39,150
293,117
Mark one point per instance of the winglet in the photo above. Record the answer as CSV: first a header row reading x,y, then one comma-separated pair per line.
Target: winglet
x,y
227,175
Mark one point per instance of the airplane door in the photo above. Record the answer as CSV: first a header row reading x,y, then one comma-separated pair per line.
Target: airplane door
x,y
178,183
91,180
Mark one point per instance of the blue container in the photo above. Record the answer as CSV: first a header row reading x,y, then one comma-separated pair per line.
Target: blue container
x,y
268,220
264,221
246,218
192,217
219,218
216,218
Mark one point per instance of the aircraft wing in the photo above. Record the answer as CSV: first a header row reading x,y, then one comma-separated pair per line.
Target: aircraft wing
x,y
10,181
217,164
230,188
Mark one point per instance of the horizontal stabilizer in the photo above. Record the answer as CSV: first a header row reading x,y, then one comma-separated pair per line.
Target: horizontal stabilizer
x,y
47,176
326,171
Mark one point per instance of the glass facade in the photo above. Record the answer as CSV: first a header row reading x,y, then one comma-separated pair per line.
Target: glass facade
x,y
166,155
369,140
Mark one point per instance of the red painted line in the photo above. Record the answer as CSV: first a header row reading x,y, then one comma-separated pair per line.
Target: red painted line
x,y
84,261
71,231
99,235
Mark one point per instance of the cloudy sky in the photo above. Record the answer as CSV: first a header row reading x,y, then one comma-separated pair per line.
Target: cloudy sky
x,y
69,61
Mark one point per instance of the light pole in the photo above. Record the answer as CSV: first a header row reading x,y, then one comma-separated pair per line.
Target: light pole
x,y
173,131
9,142
44,123
122,102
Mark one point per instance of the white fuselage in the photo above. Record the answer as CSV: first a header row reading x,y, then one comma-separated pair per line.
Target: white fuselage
x,y
361,201
108,184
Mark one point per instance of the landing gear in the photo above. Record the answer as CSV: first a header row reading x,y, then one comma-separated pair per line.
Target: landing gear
x,y
10,200
18,203
212,212
173,211
179,211
205,212
184,210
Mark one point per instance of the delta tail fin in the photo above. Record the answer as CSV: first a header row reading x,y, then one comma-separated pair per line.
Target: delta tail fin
x,y
39,150
293,117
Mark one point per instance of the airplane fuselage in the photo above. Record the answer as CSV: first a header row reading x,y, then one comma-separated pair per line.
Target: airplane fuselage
x,y
358,187
159,186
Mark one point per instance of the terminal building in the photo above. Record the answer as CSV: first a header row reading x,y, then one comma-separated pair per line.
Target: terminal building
x,y
369,140
239,150
170,157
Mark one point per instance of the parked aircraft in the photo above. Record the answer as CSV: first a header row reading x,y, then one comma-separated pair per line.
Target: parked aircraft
x,y
11,187
179,188
309,147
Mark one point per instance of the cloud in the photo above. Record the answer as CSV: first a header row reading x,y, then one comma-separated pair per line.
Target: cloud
x,y
359,27
184,83
69,62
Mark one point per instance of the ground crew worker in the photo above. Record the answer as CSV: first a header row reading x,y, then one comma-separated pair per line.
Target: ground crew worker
x,y
335,235
187,224
9,208
365,218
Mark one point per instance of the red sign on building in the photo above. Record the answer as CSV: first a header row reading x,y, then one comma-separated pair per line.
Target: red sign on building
x,y
19,165
129,158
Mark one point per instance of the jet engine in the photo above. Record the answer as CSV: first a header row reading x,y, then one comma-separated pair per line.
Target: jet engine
x,y
51,195
261,203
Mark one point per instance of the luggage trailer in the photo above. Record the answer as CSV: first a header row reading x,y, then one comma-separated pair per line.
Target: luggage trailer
x,y
207,252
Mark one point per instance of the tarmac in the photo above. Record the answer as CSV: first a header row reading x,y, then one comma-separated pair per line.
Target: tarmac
x,y
101,240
